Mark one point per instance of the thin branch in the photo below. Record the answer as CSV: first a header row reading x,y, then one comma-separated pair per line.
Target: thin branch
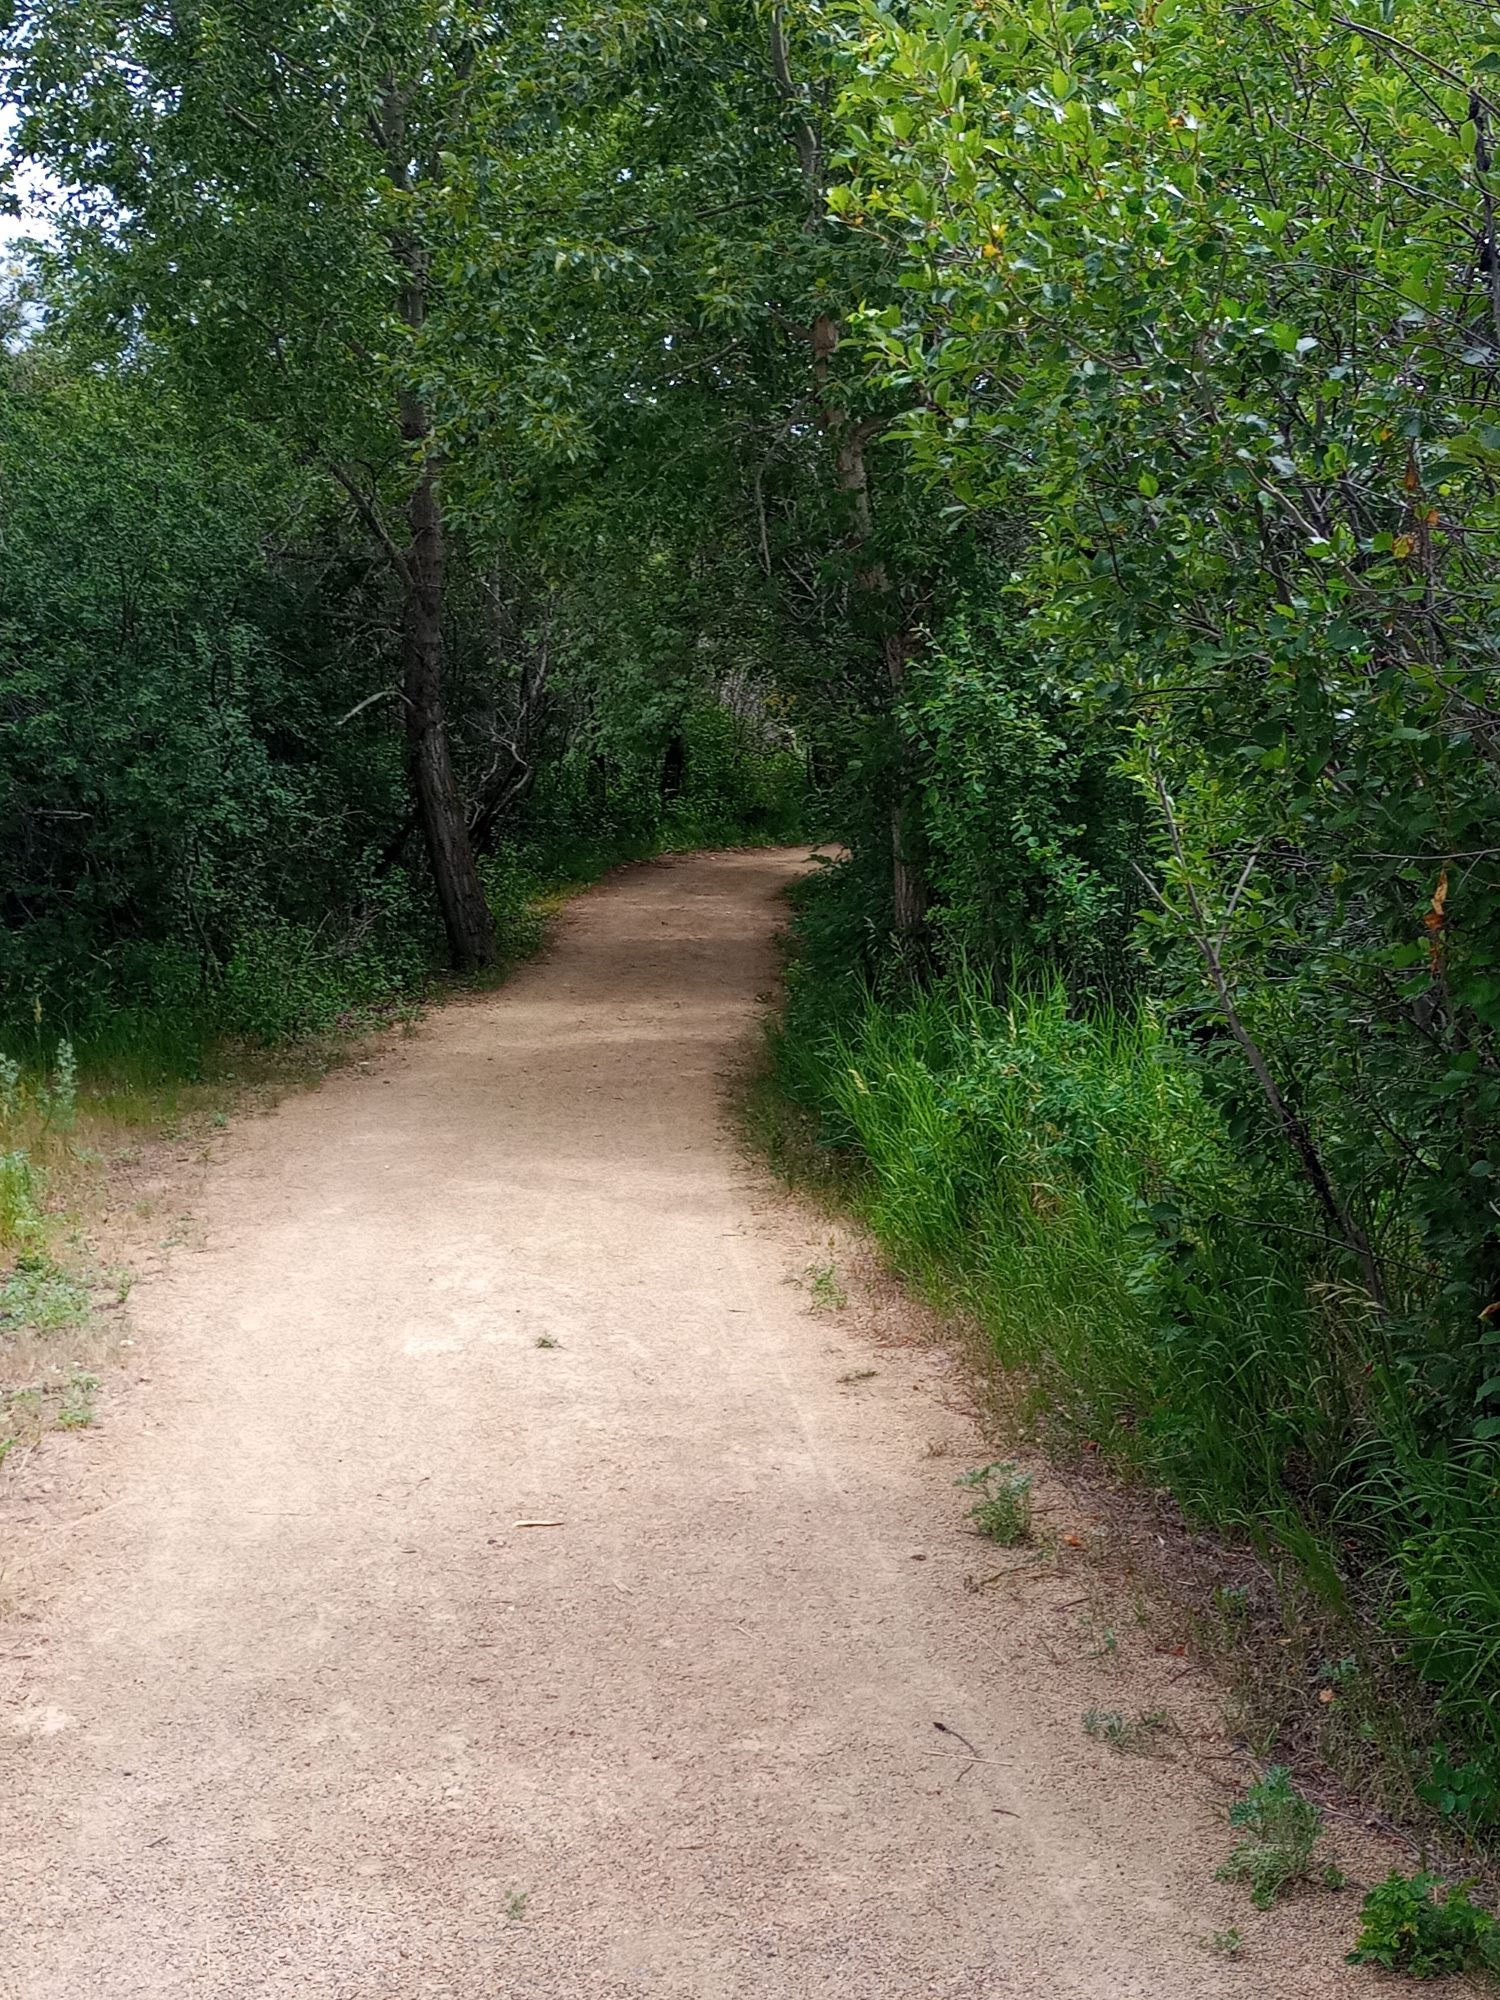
x,y
369,513
368,702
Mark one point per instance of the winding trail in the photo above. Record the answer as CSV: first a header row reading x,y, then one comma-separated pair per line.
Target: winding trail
x,y
299,1707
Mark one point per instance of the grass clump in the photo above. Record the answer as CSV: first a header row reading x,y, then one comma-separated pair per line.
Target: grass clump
x,y
824,1288
1002,1513
1132,1735
1281,1830
1405,1928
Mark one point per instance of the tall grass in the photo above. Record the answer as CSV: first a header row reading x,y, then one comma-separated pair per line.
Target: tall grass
x,y
1071,1178
1165,1296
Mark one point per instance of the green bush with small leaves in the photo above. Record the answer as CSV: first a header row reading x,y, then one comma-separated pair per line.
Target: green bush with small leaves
x,y
1281,1833
1002,1512
1406,1928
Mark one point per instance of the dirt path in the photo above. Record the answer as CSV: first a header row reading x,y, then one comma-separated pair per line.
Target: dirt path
x,y
299,1708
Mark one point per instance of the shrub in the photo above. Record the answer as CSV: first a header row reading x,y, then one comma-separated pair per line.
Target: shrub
x,y
1282,1830
1002,1512
1405,1928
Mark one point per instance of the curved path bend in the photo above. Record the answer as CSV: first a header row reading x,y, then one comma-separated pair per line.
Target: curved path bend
x,y
300,1707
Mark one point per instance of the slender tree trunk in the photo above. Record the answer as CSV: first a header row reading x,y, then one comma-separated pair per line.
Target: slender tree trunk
x,y
908,885
466,914
873,583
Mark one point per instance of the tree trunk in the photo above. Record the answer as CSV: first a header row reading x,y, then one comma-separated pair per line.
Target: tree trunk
x,y
872,582
908,884
466,914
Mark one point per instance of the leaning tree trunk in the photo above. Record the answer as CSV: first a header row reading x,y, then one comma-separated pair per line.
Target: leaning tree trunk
x,y
466,914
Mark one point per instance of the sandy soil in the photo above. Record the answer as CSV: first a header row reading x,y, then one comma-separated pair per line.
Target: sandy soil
x,y
501,1580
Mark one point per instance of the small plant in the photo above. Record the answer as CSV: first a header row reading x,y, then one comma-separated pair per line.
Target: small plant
x,y
58,1095
1130,1734
1404,1928
860,1375
1003,1511
828,1295
1106,1643
515,1905
1460,1791
34,1292
1225,1943
1282,1830
546,1340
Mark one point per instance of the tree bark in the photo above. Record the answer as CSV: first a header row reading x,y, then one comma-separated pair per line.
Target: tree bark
x,y
908,885
466,914
467,918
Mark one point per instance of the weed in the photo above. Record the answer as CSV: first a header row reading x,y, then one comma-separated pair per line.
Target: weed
x,y
828,1295
1461,1791
76,1409
1232,1602
1132,1735
1404,1928
1106,1641
547,1340
1282,1830
1226,1943
860,1375
515,1904
35,1293
1003,1511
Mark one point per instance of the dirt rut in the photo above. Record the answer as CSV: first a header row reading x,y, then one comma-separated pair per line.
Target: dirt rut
x,y
496,1590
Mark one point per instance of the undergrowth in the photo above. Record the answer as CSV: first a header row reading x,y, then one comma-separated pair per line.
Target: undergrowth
x,y
1280,1831
1404,1927
1065,1177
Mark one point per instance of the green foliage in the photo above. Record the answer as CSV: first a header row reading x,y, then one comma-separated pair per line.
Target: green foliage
x,y
1282,1830
1131,1735
1002,1513
1405,1928
172,778
1076,1178
1243,517
36,1293
1030,828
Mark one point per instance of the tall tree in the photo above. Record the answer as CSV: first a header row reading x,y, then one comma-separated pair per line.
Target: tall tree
x,y
255,191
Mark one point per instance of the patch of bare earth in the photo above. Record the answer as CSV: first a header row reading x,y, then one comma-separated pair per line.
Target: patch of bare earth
x,y
521,1575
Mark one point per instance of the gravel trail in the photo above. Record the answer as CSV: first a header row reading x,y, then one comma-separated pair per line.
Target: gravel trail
x,y
507,1583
